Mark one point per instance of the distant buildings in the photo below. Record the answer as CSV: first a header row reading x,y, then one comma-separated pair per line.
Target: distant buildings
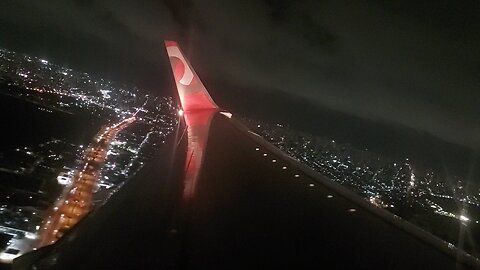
x,y
425,199
35,176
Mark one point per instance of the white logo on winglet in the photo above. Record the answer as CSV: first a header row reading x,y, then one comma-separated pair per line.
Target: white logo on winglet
x,y
187,77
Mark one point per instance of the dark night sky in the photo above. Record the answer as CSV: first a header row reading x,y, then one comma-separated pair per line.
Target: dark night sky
x,y
412,63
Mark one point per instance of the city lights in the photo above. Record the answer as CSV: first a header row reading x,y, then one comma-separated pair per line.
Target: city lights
x,y
385,182
77,170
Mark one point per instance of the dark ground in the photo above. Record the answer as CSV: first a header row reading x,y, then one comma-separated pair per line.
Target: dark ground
x,y
247,213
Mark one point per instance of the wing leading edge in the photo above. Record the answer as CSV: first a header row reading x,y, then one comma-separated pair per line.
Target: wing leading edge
x,y
250,207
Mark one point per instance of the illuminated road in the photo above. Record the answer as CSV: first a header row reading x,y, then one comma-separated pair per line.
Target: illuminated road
x,y
76,201
250,207
226,199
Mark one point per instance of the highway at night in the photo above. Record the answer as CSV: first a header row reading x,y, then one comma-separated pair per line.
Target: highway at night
x,y
76,200
252,207
221,197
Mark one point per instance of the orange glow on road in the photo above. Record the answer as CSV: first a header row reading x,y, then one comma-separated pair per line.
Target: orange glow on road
x,y
76,201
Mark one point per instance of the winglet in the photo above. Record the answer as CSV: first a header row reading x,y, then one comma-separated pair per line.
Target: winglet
x,y
192,92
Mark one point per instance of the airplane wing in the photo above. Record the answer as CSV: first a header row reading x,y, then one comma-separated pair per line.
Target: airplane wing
x,y
224,198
